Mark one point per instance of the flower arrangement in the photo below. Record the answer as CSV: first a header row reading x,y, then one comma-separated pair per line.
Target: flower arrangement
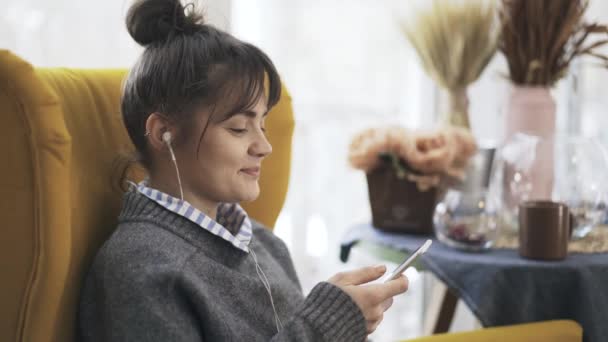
x,y
455,41
540,39
423,157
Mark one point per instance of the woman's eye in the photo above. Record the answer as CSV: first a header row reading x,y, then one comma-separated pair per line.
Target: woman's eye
x,y
238,130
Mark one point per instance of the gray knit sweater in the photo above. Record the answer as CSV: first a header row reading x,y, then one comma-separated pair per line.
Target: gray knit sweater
x,y
160,277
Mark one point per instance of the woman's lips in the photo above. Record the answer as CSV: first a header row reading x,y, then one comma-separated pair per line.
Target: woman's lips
x,y
252,171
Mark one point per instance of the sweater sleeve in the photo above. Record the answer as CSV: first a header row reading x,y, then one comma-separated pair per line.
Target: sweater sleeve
x,y
327,314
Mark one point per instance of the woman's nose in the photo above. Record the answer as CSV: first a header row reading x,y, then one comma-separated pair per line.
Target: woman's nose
x,y
261,146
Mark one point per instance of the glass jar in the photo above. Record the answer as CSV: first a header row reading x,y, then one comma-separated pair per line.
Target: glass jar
x,y
460,219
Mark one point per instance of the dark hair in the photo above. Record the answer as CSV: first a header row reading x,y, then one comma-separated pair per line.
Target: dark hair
x,y
188,65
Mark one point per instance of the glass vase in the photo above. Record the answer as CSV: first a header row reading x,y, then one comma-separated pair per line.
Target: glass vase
x,y
578,179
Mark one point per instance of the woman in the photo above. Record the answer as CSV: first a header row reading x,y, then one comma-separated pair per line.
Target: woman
x,y
186,263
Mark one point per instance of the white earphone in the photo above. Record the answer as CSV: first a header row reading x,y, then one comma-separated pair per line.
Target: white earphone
x,y
166,137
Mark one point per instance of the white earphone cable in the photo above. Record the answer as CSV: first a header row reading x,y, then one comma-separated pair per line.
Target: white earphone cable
x,y
266,284
179,180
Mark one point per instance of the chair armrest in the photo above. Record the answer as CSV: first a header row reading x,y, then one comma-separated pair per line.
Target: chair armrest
x,y
550,331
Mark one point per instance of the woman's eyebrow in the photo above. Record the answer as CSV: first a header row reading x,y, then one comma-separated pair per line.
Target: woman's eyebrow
x,y
252,114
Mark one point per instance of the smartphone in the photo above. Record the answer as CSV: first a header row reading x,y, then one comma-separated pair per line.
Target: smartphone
x,y
404,265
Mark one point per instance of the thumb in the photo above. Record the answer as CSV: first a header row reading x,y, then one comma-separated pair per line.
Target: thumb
x,y
361,275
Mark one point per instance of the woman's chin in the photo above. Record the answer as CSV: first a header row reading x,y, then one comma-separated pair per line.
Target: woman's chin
x,y
250,195
249,199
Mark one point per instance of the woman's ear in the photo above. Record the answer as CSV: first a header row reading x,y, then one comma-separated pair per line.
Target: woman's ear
x,y
156,126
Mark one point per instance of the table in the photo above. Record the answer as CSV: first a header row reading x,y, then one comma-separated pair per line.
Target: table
x,y
501,288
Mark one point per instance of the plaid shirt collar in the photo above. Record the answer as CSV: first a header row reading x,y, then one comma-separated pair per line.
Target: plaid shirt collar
x,y
230,217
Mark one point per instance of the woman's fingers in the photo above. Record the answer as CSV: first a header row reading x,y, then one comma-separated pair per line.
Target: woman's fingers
x,y
372,299
382,292
358,276
387,304
373,325
377,315
374,314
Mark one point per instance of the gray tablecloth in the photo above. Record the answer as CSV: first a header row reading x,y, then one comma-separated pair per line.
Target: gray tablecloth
x,y
502,288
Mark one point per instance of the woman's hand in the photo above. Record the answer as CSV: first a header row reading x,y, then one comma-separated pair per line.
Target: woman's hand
x,y
372,299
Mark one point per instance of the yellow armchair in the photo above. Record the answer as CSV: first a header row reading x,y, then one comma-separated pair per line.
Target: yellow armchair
x,y
63,135
60,171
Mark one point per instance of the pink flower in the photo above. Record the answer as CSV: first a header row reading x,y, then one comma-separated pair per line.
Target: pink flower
x,y
431,152
440,152
366,146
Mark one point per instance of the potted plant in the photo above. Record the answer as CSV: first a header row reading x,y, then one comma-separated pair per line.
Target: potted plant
x,y
406,171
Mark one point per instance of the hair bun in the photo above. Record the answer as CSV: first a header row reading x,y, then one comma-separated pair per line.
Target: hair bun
x,y
150,21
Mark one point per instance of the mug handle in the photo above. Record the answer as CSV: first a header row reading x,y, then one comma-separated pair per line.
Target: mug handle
x,y
571,222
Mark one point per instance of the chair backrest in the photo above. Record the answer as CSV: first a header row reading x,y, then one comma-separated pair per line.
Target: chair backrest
x,y
61,141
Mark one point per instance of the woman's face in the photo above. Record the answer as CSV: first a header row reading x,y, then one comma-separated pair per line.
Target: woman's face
x,y
229,161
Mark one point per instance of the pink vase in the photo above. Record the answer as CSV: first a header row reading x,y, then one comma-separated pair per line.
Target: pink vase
x,y
531,110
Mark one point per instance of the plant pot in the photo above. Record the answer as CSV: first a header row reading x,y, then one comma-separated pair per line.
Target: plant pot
x,y
397,204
